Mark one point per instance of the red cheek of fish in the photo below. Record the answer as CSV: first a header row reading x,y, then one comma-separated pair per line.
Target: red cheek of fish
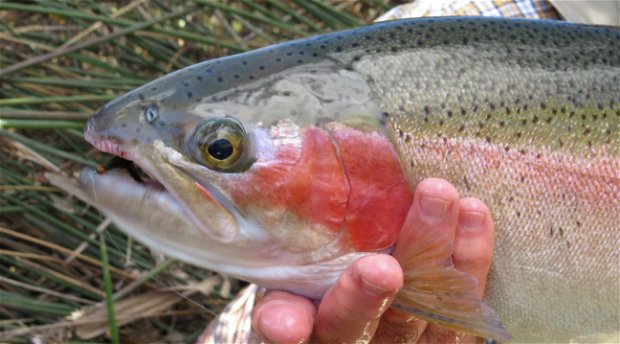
x,y
343,179
308,181
380,196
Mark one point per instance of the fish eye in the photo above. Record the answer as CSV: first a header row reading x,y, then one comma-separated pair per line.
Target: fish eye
x,y
151,114
220,144
221,149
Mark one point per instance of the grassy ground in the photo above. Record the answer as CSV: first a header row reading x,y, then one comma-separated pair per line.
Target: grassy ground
x,y
62,265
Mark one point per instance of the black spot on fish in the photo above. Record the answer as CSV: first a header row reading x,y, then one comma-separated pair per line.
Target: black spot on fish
x,y
535,119
153,88
189,94
236,76
385,114
199,78
220,79
141,96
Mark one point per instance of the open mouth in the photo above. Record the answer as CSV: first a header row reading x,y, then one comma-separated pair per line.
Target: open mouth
x,y
121,160
138,174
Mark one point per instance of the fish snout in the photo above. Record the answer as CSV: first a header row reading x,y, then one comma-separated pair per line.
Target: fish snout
x,y
105,133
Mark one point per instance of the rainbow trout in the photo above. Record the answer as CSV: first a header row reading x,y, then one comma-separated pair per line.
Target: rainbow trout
x,y
282,165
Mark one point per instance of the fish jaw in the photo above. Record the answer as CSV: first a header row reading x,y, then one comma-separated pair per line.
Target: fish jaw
x,y
154,217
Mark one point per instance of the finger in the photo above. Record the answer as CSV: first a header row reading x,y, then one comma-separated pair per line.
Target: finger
x,y
397,326
434,209
473,248
281,317
473,245
351,309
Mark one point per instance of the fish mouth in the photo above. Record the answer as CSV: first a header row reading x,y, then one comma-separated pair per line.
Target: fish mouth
x,y
203,204
122,160
107,144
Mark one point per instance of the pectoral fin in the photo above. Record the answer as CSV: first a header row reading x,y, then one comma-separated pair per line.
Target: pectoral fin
x,y
438,293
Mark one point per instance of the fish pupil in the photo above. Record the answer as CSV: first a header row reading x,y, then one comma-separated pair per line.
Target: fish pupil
x,y
220,149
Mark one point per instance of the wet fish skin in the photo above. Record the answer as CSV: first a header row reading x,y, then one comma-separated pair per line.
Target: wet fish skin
x,y
521,114
529,124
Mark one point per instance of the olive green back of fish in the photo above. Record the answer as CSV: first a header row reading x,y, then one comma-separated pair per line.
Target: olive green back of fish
x,y
525,116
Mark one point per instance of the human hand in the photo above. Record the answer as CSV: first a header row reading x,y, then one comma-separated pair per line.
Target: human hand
x,y
357,306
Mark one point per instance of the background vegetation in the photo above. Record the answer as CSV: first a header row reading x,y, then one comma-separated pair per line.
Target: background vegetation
x,y
60,261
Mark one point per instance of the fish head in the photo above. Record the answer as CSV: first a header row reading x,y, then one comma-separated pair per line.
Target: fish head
x,y
290,157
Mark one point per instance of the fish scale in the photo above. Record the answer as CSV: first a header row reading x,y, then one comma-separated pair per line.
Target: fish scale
x,y
530,128
521,114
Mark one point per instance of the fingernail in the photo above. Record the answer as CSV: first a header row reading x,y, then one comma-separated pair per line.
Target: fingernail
x,y
374,289
434,209
471,221
375,275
